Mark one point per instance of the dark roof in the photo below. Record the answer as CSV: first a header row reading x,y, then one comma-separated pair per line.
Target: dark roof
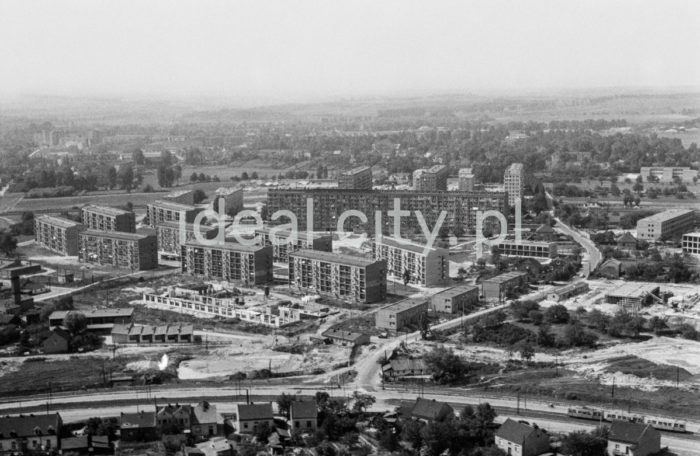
x,y
118,235
514,431
60,332
348,336
303,409
429,409
255,411
337,258
75,443
138,420
28,425
544,228
625,431
626,237
204,413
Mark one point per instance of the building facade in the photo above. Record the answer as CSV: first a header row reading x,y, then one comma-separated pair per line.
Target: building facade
x,y
161,211
499,287
57,234
400,315
135,251
30,434
528,249
668,174
455,300
233,262
408,260
514,182
431,179
519,439
105,218
690,243
359,178
284,245
343,277
466,180
171,236
664,225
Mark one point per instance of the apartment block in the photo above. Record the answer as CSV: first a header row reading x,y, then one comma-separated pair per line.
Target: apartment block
x,y
359,178
181,196
105,218
668,174
400,315
161,211
57,234
466,180
500,286
232,199
229,261
171,237
343,277
431,268
514,182
329,204
455,300
664,225
285,245
528,249
135,251
431,179
690,243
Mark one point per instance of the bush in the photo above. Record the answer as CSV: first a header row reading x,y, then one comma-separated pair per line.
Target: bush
x,y
556,314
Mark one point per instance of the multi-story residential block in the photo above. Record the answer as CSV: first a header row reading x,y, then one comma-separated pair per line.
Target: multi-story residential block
x,y
431,179
455,300
105,218
30,434
664,225
514,182
329,204
409,260
466,180
343,277
161,211
500,286
359,178
57,234
690,243
668,174
135,251
171,236
400,315
284,244
528,249
231,198
229,261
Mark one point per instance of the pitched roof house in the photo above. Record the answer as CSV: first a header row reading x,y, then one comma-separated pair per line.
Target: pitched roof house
x,y
303,415
204,420
633,439
30,433
247,417
519,439
431,410
57,342
140,426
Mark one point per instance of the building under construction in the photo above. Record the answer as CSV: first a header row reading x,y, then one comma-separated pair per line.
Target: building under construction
x,y
284,245
405,260
172,236
161,211
343,277
57,234
230,261
105,218
135,251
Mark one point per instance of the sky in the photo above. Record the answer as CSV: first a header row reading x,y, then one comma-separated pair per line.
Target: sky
x,y
291,49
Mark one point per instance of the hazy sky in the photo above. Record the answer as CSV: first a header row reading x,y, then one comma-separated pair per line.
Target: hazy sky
x,y
296,48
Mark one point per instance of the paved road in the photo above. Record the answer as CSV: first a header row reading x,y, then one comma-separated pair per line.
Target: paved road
x,y
594,257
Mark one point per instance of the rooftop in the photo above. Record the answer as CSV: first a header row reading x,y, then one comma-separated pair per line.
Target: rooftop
x,y
105,210
456,291
633,290
233,246
340,334
405,245
429,409
26,425
188,226
625,431
172,205
333,257
254,411
120,235
514,431
303,409
666,215
95,313
404,304
506,277
356,170
58,221
138,420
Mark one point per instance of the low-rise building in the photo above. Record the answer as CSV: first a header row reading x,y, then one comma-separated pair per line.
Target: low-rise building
x,y
402,368
98,320
567,291
204,420
105,218
499,287
138,427
405,259
430,410
247,418
57,342
229,261
148,334
633,439
528,249
400,315
664,225
303,416
135,251
668,174
30,434
690,243
455,300
57,234
346,338
337,276
285,244
519,439
633,295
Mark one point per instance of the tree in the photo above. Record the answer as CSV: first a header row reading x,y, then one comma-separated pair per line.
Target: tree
x,y
388,439
412,433
75,322
126,177
199,195
556,314
194,177
582,443
527,351
446,366
545,337
138,157
284,403
362,401
262,432
8,243
536,317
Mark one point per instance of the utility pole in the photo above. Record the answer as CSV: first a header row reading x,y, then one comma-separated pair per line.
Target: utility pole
x,y
517,408
612,392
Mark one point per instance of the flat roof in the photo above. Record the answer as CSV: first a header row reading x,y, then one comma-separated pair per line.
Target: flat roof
x,y
234,246
506,276
105,210
405,304
404,244
569,287
633,290
228,190
357,169
285,233
172,205
333,257
456,291
121,235
666,215
530,243
176,193
188,226
693,233
58,221
95,313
